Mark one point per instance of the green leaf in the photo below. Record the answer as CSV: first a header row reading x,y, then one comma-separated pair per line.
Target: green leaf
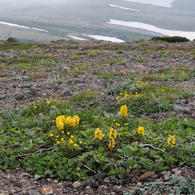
x,y
131,162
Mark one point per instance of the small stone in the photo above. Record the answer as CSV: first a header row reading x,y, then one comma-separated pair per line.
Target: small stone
x,y
134,180
19,97
65,191
106,180
76,184
66,92
187,110
115,181
17,184
154,176
33,192
99,176
47,190
55,181
167,175
44,181
94,185
139,184
100,189
33,92
44,94
146,175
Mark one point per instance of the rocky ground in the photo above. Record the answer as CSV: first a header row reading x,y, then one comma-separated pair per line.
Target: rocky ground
x,y
63,69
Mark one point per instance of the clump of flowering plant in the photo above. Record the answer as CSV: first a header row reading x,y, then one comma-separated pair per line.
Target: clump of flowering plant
x,y
123,111
69,121
141,130
171,140
98,134
112,137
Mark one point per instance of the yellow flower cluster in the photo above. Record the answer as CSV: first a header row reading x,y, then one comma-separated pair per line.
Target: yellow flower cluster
x,y
123,111
141,130
171,140
112,133
112,137
72,121
60,122
112,143
98,134
68,121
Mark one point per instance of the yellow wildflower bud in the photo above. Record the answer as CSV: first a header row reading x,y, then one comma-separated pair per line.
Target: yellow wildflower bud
x,y
141,130
51,134
112,133
112,143
171,140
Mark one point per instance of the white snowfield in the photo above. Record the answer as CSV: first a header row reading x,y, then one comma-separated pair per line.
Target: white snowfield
x,y
163,3
125,8
104,38
190,35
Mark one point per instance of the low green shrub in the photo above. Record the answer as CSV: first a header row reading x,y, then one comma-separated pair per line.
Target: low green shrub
x,y
173,39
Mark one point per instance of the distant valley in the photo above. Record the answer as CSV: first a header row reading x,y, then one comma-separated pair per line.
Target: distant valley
x,y
38,20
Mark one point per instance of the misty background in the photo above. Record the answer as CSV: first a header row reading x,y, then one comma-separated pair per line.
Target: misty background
x,y
46,20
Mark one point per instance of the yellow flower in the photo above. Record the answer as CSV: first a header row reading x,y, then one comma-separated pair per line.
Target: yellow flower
x,y
141,130
75,145
95,116
48,102
72,121
126,123
60,122
62,131
72,136
80,142
171,140
51,134
98,134
123,111
58,142
68,133
35,107
112,143
62,139
117,124
112,133
37,104
70,141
